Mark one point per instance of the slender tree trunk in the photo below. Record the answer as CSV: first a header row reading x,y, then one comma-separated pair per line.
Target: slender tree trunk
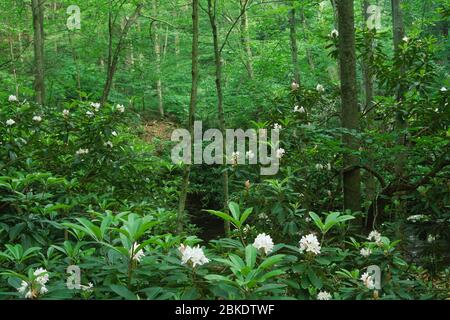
x,y
245,40
350,112
113,55
157,50
13,64
367,76
192,107
401,123
77,64
212,5
38,27
305,37
293,41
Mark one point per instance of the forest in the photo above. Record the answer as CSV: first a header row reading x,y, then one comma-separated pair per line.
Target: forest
x,y
224,150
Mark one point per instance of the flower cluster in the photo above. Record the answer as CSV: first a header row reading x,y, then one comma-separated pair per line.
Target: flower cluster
x,y
368,281
323,295
299,109
418,218
365,252
310,243
120,108
194,255
82,151
10,122
136,255
36,287
320,88
280,153
96,106
13,98
263,242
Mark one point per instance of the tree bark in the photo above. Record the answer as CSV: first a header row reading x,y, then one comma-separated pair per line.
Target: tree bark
x,y
368,85
401,123
13,64
157,50
192,107
212,5
37,7
245,40
293,41
113,55
350,112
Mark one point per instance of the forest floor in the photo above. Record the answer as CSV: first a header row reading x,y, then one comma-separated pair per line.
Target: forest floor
x,y
160,129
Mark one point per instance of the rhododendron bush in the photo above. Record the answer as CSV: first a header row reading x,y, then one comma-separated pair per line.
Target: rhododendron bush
x,y
96,204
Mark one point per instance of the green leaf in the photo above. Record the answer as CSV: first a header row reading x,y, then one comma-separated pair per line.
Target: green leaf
x,y
250,256
270,261
123,292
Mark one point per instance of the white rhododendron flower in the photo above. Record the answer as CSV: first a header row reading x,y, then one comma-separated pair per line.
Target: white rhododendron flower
x,y
249,154
405,39
114,133
108,144
12,98
374,236
89,114
310,243
319,166
41,276
37,118
263,242
443,89
417,218
194,255
10,122
23,287
95,105
89,287
295,86
323,295
334,33
276,126
431,238
365,252
82,151
136,255
66,113
368,281
43,290
320,88
280,153
235,157
299,109
120,108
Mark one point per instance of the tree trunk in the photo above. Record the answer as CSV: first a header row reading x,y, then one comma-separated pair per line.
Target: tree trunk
x,y
113,55
401,123
305,37
13,64
350,112
212,5
293,41
37,7
245,40
157,50
192,107
367,76
77,64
